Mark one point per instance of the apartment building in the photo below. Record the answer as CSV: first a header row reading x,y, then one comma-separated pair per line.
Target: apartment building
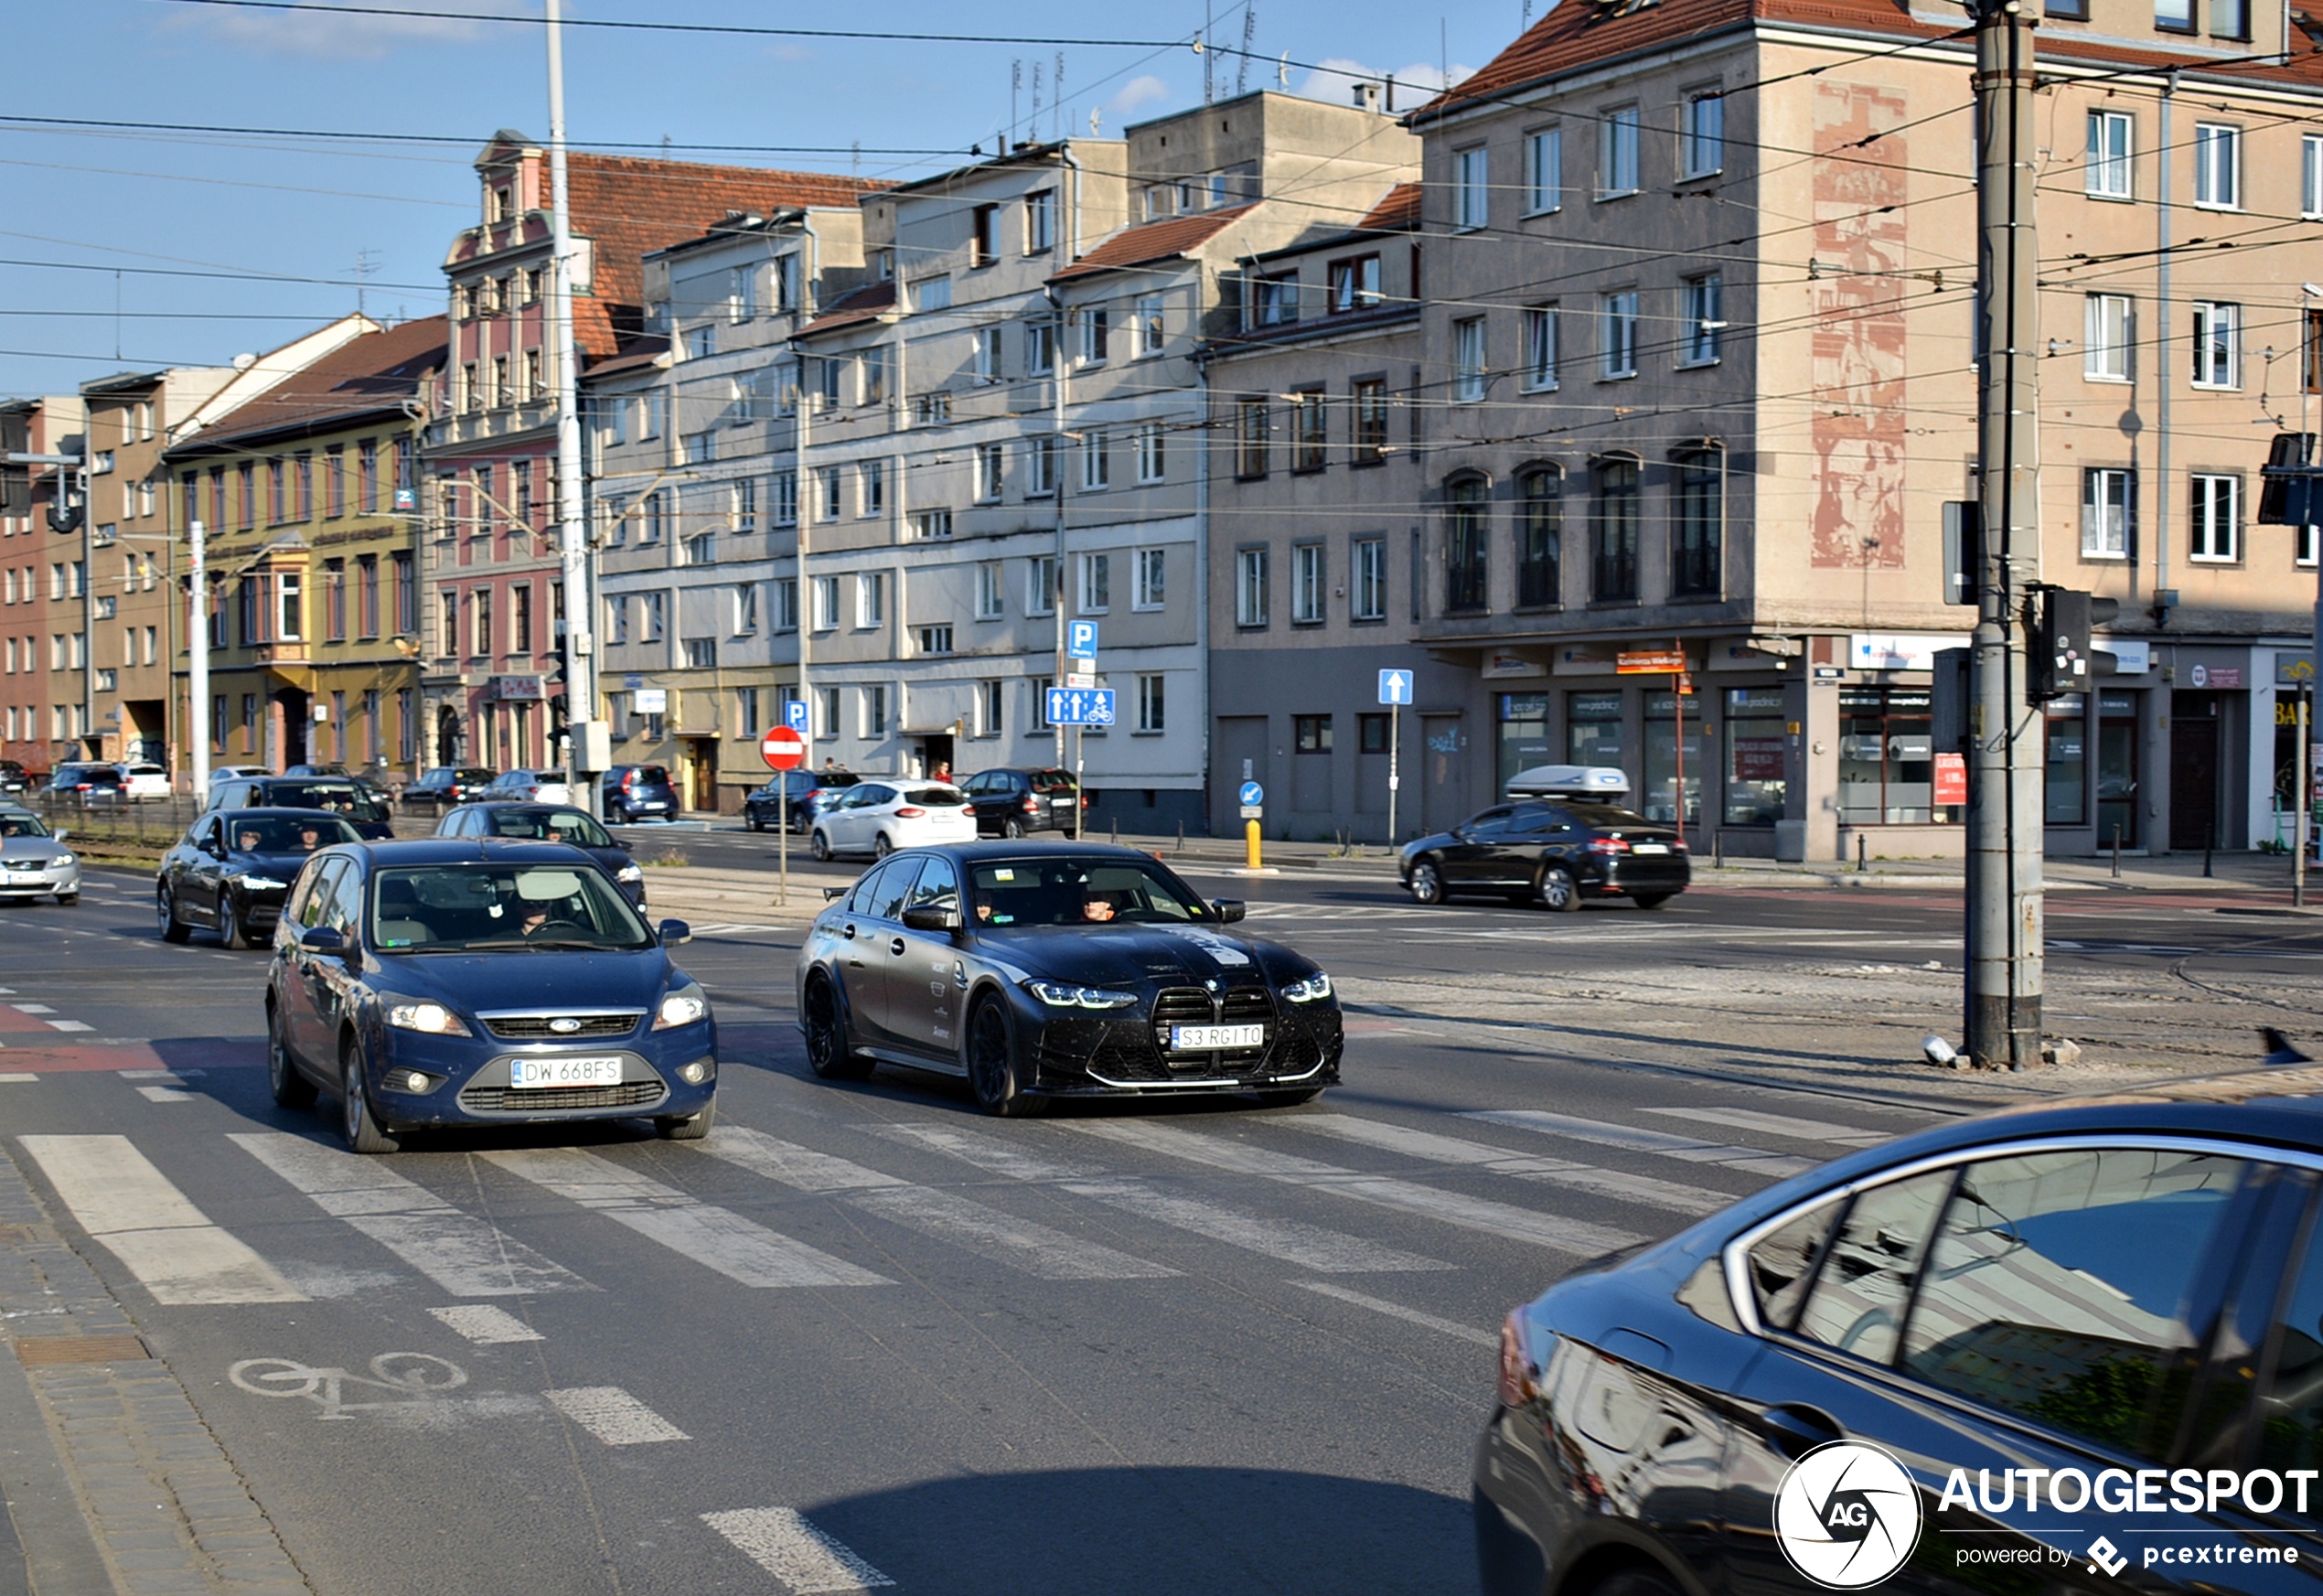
x,y
42,714
1700,376
306,495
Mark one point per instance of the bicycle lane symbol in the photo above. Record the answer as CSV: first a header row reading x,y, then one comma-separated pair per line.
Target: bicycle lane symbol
x,y
419,1377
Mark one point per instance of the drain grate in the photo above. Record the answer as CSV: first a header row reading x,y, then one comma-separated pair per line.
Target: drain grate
x,y
44,1351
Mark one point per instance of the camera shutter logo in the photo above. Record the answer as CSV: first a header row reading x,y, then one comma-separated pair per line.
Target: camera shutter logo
x,y
1846,1514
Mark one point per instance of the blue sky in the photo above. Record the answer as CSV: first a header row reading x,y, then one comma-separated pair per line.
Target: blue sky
x,y
144,208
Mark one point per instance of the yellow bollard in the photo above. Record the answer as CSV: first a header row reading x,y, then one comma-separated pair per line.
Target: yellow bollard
x,y
1250,841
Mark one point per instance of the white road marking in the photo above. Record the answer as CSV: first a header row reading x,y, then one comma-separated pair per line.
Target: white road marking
x,y
134,1212
179,1076
166,1095
1397,1310
484,1325
715,1238
1567,1235
613,1416
32,1009
68,1025
986,1152
467,1255
17,1077
1782,1125
1556,1172
787,1163
1637,1138
808,1561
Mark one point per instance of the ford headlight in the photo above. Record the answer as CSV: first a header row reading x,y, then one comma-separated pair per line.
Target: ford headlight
x,y
432,1018
1314,988
683,1005
1057,996
631,872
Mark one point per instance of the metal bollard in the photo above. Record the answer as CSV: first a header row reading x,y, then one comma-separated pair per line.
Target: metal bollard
x,y
1860,864
2210,840
1117,833
2117,850
1718,850
1181,836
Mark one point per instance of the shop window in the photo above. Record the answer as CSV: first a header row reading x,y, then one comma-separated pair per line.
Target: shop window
x,y
1887,756
1522,730
1593,729
1312,734
1669,764
2067,758
1757,755
2117,769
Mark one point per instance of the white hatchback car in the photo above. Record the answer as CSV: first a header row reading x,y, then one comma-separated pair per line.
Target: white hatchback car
x,y
878,816
141,781
530,787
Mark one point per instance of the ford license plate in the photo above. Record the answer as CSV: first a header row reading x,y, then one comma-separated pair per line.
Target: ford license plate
x,y
1208,1038
564,1072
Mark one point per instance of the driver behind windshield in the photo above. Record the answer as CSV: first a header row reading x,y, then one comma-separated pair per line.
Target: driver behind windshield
x,y
1033,893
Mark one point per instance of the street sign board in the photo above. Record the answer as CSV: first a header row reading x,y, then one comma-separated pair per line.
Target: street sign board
x,y
1080,639
794,716
1084,679
1649,662
1395,687
1080,706
783,749
649,700
1952,780
1253,795
1254,811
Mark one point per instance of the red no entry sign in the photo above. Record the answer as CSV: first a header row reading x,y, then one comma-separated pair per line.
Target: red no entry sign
x,y
783,749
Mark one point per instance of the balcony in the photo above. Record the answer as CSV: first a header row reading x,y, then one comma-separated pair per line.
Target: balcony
x,y
483,425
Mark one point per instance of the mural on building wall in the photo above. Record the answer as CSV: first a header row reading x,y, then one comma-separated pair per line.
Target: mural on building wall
x,y
1858,353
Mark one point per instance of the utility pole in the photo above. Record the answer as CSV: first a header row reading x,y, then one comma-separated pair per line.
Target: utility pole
x,y
198,718
1058,585
588,747
2006,774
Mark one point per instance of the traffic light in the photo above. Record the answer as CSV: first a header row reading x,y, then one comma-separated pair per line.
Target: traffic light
x,y
2065,658
2288,492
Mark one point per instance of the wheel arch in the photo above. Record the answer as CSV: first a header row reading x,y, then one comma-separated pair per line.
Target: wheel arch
x,y
1599,1563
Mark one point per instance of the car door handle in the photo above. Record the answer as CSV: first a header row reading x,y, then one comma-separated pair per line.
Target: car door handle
x,y
896,947
849,933
1795,1428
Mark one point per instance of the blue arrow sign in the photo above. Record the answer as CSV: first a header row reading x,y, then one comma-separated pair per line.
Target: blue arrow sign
x,y
1080,706
1395,687
1080,639
794,716
1252,793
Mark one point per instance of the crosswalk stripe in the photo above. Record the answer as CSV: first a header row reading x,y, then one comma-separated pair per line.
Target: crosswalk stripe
x,y
15,1075
716,1238
808,1561
1397,1310
484,1325
1780,1125
166,1095
468,1257
1635,1139
613,1416
1307,1246
1569,1235
787,1163
1558,1171
134,1211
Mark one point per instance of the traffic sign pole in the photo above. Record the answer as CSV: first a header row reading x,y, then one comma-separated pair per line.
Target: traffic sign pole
x,y
784,750
1395,776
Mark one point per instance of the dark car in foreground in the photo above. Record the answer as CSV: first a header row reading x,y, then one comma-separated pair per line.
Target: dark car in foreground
x,y
1012,801
455,982
446,784
550,823
1058,972
1557,856
2002,1346
809,793
355,802
635,792
232,868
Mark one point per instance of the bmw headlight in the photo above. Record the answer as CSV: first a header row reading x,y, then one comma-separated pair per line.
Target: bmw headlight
x,y
683,1005
263,884
432,1018
1314,988
1058,996
630,873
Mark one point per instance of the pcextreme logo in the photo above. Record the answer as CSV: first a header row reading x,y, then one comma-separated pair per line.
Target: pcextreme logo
x,y
1846,1514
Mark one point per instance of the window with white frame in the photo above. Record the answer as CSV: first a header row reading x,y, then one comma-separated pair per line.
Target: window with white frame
x,y
1148,323
746,722
656,616
786,604
1150,453
2104,513
787,282
992,715
1153,705
700,653
742,292
1700,335
1468,359
875,707
1040,347
871,599
875,367
2105,169
745,502
871,488
786,498
2303,546
2106,338
1096,584
1617,334
2311,177
1040,221
934,639
932,293
984,361
1544,170
992,470
1097,463
1367,596
1153,578
832,483
2216,524
701,342
928,525
1701,133
1040,586
1039,718
616,613
1094,325
2218,344
826,603
826,716
1040,466
988,591
1540,349
745,609
2218,166
1471,188
697,548
1250,587
1306,585
1617,153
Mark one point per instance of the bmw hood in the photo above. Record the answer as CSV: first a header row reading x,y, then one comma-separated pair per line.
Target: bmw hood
x,y
529,981
33,851
1133,956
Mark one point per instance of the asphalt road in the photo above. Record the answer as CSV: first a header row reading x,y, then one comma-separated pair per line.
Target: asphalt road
x,y
865,1335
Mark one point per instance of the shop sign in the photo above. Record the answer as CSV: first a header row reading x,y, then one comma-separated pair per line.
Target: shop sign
x,y
2290,670
1649,662
515,687
1499,665
1897,651
1758,759
2132,657
1952,780
2216,676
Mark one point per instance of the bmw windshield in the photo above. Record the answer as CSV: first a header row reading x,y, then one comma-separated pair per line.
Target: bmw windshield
x,y
1035,892
501,908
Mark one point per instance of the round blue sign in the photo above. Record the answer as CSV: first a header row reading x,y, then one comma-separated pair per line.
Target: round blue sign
x,y
1252,793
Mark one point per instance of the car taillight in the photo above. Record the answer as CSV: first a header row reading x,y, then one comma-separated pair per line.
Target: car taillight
x,y
1516,1371
1608,845
909,814
1032,806
1680,846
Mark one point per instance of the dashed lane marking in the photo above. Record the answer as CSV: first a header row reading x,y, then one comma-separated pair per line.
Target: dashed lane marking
x,y
1637,1138
166,1095
1500,1160
134,1211
808,1561
485,1325
1397,1310
613,1416
68,1025
17,1076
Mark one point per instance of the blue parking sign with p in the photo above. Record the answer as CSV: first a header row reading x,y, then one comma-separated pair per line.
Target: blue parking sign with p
x,y
794,716
1395,687
1080,639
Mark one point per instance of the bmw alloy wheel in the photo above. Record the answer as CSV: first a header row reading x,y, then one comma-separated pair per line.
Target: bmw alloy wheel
x,y
992,1064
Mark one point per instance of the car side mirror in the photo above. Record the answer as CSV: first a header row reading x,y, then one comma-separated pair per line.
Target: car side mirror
x,y
61,833
322,939
675,932
1229,909
931,917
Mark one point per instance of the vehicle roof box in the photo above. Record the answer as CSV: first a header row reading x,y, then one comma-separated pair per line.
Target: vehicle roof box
x,y
1569,781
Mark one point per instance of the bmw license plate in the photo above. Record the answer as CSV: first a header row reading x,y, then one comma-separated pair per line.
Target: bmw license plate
x,y
564,1072
1208,1038
1650,848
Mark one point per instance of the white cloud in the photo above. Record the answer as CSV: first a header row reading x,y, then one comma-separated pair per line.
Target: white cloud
x,y
1143,90
320,31
1335,79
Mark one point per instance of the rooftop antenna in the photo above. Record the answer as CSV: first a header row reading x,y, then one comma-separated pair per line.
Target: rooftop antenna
x,y
1056,99
1015,82
366,263
1033,127
1209,58
1250,28
116,314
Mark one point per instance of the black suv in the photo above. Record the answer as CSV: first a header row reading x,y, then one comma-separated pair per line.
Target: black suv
x,y
636,791
446,784
1552,854
1011,802
350,800
812,792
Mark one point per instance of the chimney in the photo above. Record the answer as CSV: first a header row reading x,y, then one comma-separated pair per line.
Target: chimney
x,y
1367,97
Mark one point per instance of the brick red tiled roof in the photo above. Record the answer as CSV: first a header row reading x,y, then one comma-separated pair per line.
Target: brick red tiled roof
x,y
1155,241
1399,208
863,303
369,375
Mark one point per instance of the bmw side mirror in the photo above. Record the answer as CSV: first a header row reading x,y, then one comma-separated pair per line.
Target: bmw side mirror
x,y
675,932
930,917
322,939
1227,909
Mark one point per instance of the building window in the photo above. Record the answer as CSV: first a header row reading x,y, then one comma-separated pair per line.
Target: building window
x,y
1471,188
937,640
1705,320
1309,431
1250,437
983,235
1153,705
1040,586
1250,587
2105,514
367,596
701,342
871,599
1887,756
1540,539
700,653
1040,221
1698,564
988,591
1702,133
480,637
2218,344
1148,323
1468,359
2177,16
1539,371
1153,578
335,600
1544,171
1096,584
2106,338
1613,537
1274,301
700,448
1095,337
1466,572
1306,585
991,717
984,357
656,616
2217,522
875,364
871,488
1617,153
2218,166
826,603
786,498
2311,177
1311,733
786,604
1039,718
1617,334
1040,347
832,491
991,471
875,702
1355,284
932,293
745,618
1370,395
1040,461
826,712
1368,597
2230,18
292,607
1097,463
931,525
1150,453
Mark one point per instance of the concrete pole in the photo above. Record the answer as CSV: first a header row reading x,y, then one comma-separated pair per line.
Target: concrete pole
x,y
586,745
1062,584
198,718
2005,808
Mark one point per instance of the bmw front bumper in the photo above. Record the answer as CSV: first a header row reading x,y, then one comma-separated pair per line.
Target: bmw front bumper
x,y
1122,1054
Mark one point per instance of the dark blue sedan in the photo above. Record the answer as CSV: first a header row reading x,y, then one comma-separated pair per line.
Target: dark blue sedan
x,y
468,981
